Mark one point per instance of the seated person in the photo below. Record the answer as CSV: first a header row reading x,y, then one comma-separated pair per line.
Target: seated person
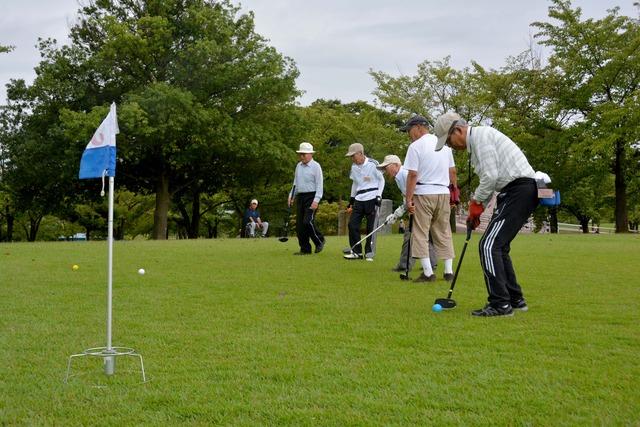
x,y
252,221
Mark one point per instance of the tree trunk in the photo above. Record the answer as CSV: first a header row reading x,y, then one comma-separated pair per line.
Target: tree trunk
x,y
34,225
621,190
163,199
10,219
584,224
194,226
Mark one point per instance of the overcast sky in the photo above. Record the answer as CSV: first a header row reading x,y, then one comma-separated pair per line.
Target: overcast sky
x,y
334,43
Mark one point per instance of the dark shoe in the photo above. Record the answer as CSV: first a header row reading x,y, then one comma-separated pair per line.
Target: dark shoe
x,y
423,278
521,305
448,277
352,255
302,253
490,311
320,247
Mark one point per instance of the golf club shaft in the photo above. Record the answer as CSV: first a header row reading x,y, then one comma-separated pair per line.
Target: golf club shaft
x,y
368,235
464,249
285,231
406,269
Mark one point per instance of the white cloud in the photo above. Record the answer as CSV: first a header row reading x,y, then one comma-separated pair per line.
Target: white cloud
x,y
334,42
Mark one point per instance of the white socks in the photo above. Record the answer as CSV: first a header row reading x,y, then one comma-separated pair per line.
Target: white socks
x,y
448,266
426,266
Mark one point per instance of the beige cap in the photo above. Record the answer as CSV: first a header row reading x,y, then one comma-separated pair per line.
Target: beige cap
x,y
442,126
305,148
254,201
388,160
354,148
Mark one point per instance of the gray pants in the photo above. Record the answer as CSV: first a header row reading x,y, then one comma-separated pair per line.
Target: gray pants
x,y
402,264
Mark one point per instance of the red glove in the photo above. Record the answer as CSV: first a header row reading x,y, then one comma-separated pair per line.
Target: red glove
x,y
475,210
454,195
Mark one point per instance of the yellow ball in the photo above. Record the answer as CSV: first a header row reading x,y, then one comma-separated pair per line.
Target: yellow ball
x,y
75,267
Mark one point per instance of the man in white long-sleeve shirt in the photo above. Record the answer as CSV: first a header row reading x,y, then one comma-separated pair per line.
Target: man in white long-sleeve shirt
x,y
366,196
502,167
308,189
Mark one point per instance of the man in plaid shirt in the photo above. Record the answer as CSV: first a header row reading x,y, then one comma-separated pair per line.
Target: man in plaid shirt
x,y
502,167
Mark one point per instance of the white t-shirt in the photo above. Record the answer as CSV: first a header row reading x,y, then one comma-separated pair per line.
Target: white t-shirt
x,y
432,166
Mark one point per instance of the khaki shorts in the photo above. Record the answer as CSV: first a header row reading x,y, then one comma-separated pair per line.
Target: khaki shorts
x,y
432,213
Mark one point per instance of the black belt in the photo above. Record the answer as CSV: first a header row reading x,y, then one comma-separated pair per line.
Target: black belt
x,y
366,190
426,183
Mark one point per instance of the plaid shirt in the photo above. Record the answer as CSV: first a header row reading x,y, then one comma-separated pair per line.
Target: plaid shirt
x,y
496,159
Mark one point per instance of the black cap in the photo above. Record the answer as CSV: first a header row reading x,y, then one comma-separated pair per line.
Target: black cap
x,y
415,120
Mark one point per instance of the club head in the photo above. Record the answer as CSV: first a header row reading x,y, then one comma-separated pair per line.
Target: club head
x,y
283,239
446,303
404,276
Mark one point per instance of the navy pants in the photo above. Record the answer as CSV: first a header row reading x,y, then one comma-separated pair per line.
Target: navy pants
x,y
515,203
365,209
305,222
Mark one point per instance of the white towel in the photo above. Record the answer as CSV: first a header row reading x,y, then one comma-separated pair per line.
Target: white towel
x,y
542,176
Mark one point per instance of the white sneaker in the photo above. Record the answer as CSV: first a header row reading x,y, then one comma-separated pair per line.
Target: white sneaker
x,y
352,255
369,259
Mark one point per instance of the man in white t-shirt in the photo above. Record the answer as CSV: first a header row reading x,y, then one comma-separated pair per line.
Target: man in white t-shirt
x,y
427,197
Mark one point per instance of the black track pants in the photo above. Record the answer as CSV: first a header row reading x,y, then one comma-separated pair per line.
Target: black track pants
x,y
365,209
515,203
305,222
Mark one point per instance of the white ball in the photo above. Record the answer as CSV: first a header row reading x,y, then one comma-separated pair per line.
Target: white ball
x,y
141,271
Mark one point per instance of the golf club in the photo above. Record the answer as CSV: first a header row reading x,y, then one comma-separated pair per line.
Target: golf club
x,y
405,276
448,303
350,250
285,231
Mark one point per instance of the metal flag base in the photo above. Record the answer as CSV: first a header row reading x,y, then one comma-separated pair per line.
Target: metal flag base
x,y
109,357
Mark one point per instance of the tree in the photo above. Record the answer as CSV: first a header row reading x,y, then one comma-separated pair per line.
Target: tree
x,y
599,65
197,89
332,126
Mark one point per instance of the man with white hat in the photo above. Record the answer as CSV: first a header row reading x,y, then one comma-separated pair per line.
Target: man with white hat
x,y
502,167
393,167
252,220
428,197
366,197
308,189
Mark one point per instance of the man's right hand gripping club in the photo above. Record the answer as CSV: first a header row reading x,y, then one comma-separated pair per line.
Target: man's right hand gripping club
x,y
475,210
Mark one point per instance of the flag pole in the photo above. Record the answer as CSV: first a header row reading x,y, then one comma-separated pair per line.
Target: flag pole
x,y
99,160
110,361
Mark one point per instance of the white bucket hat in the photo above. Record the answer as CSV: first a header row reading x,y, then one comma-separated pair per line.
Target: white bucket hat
x,y
305,148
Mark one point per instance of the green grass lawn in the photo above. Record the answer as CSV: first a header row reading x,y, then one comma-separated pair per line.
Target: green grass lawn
x,y
241,332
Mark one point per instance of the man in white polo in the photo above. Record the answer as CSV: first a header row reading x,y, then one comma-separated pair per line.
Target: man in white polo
x,y
427,197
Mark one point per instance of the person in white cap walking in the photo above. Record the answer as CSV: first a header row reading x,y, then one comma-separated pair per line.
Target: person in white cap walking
x,y
502,167
392,165
428,197
253,221
366,197
307,189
